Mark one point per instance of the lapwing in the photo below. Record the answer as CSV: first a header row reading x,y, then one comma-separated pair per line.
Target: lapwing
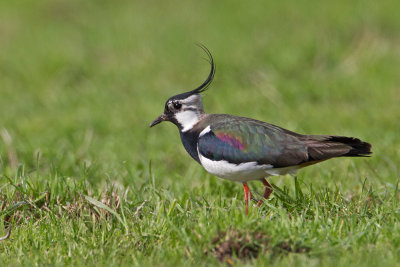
x,y
242,149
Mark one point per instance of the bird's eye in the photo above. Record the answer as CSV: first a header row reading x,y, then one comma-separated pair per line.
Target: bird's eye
x,y
177,105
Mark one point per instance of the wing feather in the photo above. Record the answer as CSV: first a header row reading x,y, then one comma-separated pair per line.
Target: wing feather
x,y
239,141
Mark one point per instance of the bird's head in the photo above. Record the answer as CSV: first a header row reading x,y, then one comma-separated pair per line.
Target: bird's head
x,y
186,109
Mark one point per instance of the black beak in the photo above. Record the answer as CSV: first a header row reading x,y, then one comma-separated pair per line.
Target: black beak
x,y
159,119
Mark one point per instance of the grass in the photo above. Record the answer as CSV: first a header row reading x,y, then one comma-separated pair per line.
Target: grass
x,y
84,181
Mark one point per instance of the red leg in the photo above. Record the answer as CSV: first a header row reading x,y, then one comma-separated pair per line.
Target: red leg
x,y
247,196
268,188
267,192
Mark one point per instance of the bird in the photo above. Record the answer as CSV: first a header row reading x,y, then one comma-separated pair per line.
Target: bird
x,y
242,149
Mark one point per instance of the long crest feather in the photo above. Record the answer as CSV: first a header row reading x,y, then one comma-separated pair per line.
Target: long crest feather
x,y
204,86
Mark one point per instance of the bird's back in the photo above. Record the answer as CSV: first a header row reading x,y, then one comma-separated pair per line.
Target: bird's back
x,y
238,140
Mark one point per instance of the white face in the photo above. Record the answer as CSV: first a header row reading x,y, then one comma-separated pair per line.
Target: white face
x,y
187,119
187,112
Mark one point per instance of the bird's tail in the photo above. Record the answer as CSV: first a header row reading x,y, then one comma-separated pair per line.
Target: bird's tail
x,y
322,147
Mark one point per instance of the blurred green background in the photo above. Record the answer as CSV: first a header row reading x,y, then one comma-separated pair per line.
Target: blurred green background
x,y
80,81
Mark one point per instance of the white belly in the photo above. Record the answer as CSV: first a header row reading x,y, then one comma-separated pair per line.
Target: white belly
x,y
244,171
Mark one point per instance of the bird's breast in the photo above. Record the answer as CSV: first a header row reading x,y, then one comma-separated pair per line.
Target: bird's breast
x,y
189,141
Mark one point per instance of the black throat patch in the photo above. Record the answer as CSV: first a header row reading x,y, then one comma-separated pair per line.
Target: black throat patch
x,y
190,140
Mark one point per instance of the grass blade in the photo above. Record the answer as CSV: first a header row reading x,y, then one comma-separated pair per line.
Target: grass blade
x,y
100,205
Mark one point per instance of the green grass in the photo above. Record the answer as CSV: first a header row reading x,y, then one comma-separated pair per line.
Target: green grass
x,y
84,181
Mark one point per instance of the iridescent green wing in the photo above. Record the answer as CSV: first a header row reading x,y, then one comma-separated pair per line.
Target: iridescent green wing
x,y
239,140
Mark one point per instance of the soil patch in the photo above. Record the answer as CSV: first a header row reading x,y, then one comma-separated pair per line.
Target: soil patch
x,y
248,245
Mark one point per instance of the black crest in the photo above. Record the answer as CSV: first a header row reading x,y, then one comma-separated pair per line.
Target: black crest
x,y
204,86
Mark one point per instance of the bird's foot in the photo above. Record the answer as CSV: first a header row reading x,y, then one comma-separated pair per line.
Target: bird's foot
x,y
248,196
